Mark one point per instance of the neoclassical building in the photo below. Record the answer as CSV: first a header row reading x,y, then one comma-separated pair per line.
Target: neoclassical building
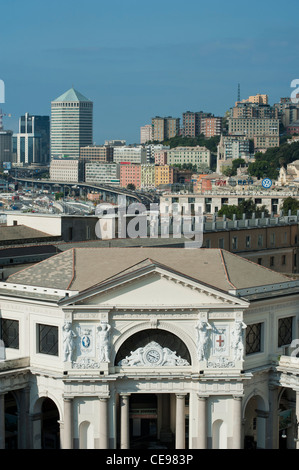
x,y
134,348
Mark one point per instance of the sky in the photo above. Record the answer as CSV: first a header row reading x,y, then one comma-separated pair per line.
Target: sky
x,y
140,59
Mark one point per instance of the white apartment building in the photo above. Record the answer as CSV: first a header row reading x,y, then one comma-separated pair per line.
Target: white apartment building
x,y
195,155
107,173
66,169
145,133
130,154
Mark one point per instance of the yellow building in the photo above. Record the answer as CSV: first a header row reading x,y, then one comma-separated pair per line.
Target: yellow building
x,y
163,175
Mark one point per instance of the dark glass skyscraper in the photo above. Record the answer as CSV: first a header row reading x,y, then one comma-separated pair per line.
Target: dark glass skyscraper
x,y
32,143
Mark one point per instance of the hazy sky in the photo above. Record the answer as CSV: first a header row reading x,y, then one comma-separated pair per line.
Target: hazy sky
x,y
138,59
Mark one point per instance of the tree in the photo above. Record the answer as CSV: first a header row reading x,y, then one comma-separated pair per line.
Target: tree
x,y
131,187
247,207
290,204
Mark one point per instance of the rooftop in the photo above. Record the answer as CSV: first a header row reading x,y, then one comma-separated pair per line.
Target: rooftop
x,y
78,269
71,95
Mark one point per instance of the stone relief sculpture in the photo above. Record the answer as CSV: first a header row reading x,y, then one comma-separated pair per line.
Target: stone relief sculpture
x,y
68,341
104,341
237,343
202,328
153,355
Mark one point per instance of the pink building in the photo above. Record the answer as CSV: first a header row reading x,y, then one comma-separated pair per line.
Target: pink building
x,y
161,157
130,173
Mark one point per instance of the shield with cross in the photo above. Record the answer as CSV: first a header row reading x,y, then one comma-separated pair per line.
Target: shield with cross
x,y
220,341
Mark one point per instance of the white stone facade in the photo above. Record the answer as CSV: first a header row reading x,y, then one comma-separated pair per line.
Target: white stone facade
x,y
148,335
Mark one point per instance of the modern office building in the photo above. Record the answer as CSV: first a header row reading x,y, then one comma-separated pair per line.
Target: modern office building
x,y
96,153
93,360
32,143
100,172
127,154
164,128
195,155
71,124
6,146
69,170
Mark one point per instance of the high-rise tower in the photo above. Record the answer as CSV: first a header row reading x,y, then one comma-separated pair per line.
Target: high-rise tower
x,y
71,124
32,143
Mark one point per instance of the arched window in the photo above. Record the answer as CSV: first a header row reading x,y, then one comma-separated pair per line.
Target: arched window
x,y
219,435
86,439
164,338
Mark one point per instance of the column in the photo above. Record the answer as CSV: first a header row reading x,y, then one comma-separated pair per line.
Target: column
x,y
237,423
68,424
124,422
273,421
261,426
180,422
103,443
297,420
165,432
2,421
24,433
202,423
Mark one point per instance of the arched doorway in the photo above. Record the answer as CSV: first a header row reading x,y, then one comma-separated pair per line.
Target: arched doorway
x,y
11,422
255,423
50,431
287,419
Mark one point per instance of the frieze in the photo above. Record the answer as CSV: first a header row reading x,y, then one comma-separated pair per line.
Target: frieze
x,y
86,363
87,316
221,362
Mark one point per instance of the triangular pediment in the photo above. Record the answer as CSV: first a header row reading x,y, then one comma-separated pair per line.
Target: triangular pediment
x,y
153,287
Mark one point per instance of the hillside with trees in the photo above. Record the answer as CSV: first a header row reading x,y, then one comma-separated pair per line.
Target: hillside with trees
x,y
268,164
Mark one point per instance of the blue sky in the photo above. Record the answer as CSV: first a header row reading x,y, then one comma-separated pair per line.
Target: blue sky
x,y
138,59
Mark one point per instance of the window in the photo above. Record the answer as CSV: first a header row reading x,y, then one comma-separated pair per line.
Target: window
x,y
285,333
260,241
234,243
271,260
259,261
48,339
221,243
247,242
208,244
9,333
253,338
283,260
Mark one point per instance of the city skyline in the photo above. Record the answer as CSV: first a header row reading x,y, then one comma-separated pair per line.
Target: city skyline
x,y
135,63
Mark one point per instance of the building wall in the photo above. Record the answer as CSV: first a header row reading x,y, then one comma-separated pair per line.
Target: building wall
x,y
130,174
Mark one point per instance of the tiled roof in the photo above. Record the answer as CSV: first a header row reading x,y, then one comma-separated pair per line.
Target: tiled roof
x,y
81,268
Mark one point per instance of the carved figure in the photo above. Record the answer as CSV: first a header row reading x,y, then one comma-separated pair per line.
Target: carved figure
x,y
237,342
202,328
104,334
68,341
